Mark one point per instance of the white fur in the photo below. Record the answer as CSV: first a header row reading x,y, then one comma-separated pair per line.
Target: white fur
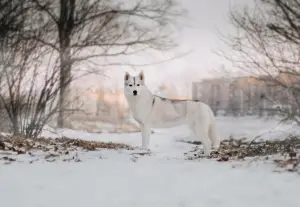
x,y
151,111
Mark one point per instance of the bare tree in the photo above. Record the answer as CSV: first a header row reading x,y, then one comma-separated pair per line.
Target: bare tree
x,y
29,90
12,15
266,46
29,86
99,31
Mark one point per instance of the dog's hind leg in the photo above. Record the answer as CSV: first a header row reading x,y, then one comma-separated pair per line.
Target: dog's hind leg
x,y
213,136
201,131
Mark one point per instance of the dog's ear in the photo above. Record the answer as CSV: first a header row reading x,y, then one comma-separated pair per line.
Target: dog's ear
x,y
141,75
126,77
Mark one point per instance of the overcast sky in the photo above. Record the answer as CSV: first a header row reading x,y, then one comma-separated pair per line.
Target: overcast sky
x,y
205,17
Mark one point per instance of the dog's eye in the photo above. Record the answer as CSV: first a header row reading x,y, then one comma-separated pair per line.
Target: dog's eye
x,y
130,85
138,84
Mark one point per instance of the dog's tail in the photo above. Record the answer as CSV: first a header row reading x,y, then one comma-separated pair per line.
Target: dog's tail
x,y
212,133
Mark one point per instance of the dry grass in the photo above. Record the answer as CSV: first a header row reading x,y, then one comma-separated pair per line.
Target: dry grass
x,y
287,151
234,149
26,144
51,147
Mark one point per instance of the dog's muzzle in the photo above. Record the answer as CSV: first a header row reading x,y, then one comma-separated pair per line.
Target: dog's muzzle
x,y
134,93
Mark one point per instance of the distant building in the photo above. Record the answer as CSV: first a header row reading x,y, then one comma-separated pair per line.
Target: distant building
x,y
213,92
240,95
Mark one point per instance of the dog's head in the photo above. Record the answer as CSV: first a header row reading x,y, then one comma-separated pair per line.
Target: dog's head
x,y
133,85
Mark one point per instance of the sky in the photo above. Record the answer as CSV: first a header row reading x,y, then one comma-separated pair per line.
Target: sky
x,y
205,17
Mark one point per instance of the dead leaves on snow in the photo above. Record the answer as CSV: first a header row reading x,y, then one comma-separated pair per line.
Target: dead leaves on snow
x,y
287,152
52,148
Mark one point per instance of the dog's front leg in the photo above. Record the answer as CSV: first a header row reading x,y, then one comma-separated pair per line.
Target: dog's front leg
x,y
146,131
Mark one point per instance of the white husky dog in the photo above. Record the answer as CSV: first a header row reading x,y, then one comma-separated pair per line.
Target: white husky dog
x,y
152,111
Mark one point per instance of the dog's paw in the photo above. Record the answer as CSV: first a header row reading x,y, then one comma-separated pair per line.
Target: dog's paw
x,y
206,154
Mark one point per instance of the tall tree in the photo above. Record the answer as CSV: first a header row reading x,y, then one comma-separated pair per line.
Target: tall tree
x,y
83,30
28,91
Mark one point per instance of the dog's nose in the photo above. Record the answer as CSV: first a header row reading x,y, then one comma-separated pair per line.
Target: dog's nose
x,y
135,92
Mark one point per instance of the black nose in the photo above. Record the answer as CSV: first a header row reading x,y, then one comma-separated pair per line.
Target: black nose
x,y
134,92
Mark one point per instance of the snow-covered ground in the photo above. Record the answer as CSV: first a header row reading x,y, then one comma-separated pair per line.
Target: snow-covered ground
x,y
118,178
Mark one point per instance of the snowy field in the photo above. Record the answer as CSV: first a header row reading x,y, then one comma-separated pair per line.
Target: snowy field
x,y
112,178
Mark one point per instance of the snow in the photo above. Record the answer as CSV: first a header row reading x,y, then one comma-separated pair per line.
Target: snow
x,y
119,182
117,178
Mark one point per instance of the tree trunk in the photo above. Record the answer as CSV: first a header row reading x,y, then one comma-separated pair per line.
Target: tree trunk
x,y
65,27
65,80
15,126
